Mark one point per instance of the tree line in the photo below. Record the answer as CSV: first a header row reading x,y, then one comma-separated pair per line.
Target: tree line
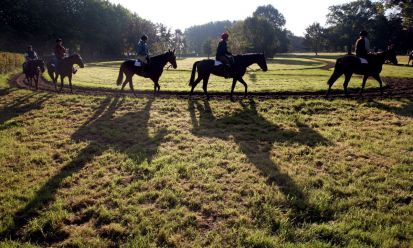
x,y
99,29
388,22
94,28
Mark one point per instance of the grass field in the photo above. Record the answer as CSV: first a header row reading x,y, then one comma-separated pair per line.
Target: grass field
x,y
291,72
109,171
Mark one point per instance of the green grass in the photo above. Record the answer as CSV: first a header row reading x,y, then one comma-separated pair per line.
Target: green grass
x,y
89,171
287,72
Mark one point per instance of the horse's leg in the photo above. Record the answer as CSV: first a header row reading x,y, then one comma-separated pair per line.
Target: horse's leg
x,y
70,82
36,81
346,81
205,86
245,86
123,85
196,82
378,78
129,79
61,82
336,74
234,82
363,85
156,86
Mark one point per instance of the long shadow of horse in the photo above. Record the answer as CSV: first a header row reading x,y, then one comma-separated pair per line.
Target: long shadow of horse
x,y
255,136
21,105
127,134
406,108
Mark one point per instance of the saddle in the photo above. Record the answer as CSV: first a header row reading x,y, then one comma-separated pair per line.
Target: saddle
x,y
138,63
217,63
363,61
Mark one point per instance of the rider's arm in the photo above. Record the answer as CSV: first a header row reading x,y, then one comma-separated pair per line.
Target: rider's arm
x,y
367,44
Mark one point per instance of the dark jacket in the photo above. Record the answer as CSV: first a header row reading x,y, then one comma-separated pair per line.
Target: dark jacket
x,y
59,51
222,49
142,49
361,50
30,55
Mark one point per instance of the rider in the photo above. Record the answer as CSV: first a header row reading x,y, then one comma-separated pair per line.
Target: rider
x,y
223,55
61,52
362,45
29,55
142,52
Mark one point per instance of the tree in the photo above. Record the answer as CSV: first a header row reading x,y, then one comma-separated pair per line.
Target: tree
x,y
260,36
197,35
314,36
276,19
347,20
405,10
207,47
178,41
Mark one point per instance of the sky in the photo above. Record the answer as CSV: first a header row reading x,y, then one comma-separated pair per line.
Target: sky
x,y
182,14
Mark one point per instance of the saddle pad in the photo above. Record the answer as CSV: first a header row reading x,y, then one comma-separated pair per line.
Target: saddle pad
x,y
217,63
138,63
363,61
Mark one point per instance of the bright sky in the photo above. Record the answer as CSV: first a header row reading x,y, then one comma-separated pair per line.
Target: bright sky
x,y
184,13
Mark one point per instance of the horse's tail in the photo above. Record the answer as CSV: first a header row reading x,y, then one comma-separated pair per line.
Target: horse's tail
x,y
192,80
336,73
120,76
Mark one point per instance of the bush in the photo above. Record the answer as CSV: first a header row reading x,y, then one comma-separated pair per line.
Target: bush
x,y
10,62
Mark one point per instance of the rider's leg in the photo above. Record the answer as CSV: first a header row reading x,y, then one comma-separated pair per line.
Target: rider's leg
x,y
226,62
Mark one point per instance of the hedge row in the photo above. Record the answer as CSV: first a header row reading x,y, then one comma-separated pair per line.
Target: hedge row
x,y
10,62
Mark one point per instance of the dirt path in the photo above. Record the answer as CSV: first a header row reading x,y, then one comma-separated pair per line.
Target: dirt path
x,y
395,87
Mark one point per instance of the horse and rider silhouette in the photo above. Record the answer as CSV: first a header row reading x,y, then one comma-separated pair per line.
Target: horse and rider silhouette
x,y
350,64
153,70
238,69
64,69
32,71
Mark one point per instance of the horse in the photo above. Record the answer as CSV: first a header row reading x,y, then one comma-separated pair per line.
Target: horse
x,y
237,71
64,69
153,71
350,64
410,58
32,71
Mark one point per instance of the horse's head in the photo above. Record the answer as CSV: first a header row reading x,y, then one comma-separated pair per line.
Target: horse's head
x,y
171,58
262,62
391,56
77,60
41,65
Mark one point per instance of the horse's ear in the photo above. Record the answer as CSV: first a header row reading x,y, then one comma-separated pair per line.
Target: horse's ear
x,y
169,50
173,50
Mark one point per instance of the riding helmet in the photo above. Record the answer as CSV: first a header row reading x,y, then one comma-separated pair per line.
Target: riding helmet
x,y
58,40
224,35
363,33
144,37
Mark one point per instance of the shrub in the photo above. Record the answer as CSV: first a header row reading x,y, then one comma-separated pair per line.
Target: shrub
x,y
10,62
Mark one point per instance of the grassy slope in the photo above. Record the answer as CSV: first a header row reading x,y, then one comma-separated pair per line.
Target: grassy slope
x,y
299,72
99,171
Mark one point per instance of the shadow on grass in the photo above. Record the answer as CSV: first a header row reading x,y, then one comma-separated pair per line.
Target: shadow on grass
x,y
406,108
22,105
255,136
127,134
6,91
